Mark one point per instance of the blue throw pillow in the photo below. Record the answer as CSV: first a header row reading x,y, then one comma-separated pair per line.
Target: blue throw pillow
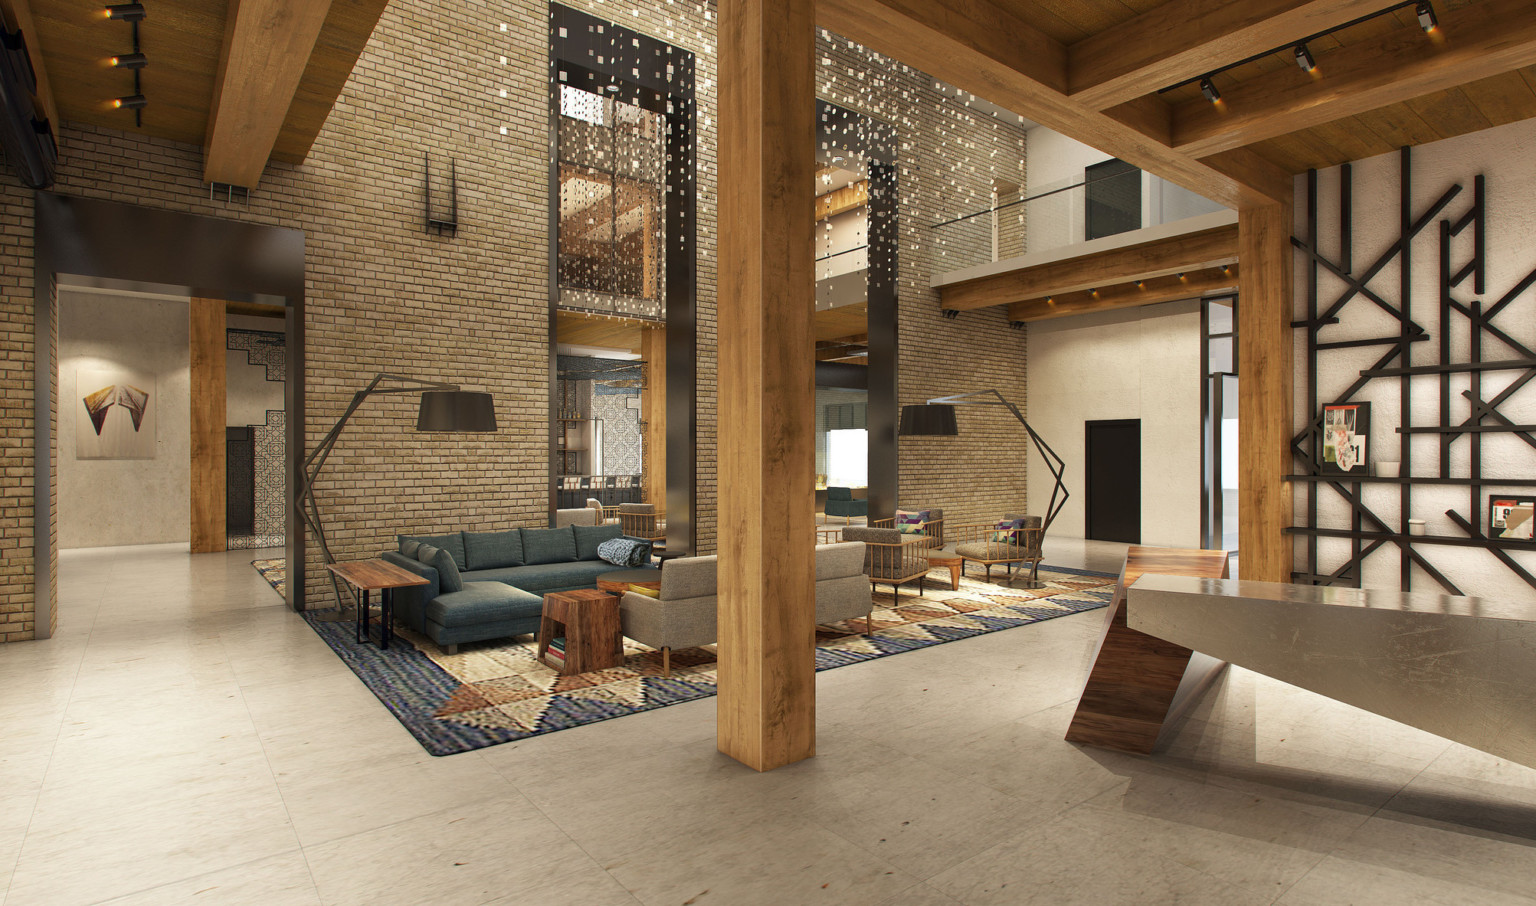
x,y
555,545
590,537
493,550
447,572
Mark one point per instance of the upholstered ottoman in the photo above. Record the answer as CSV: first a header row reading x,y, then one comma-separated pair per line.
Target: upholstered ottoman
x,y
481,610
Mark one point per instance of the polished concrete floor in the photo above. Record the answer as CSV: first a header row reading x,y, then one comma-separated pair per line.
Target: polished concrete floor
x,y
185,738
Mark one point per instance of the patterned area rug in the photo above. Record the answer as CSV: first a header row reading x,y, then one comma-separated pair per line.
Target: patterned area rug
x,y
276,574
495,692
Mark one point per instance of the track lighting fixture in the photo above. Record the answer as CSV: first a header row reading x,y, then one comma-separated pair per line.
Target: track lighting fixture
x,y
126,12
951,313
1208,88
131,102
1304,58
1426,13
130,61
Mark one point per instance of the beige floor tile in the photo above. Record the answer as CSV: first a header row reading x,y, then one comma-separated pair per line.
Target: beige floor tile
x,y
276,881
494,850
758,864
180,744
921,895
1069,861
369,797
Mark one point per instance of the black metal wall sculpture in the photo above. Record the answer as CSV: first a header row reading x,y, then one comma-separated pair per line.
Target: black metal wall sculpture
x,y
1458,459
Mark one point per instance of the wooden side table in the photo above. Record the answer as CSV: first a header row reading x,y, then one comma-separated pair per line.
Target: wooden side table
x,y
589,621
955,563
381,576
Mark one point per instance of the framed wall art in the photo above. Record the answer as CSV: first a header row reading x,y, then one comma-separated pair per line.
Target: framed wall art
x,y
1346,429
1510,518
115,414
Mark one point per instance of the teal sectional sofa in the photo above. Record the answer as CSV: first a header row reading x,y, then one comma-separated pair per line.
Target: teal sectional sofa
x,y
488,585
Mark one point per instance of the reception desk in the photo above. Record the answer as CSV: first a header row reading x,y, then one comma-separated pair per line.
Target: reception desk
x,y
1462,668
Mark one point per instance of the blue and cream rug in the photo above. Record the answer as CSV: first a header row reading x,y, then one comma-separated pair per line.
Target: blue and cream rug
x,y
495,692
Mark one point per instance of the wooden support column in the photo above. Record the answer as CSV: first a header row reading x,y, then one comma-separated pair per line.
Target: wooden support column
x,y
208,445
1264,392
767,701
653,409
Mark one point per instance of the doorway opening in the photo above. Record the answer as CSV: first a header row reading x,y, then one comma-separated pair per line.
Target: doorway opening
x,y
1113,467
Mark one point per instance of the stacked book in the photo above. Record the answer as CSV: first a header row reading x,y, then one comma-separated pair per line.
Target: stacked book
x,y
556,653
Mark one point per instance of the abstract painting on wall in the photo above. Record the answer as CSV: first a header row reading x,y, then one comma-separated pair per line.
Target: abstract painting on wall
x,y
115,418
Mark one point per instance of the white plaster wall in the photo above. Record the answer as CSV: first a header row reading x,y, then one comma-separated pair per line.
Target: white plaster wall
x,y
1056,161
117,502
1139,363
1502,154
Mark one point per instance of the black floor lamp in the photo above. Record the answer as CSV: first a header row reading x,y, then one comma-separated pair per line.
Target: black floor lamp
x,y
444,407
937,418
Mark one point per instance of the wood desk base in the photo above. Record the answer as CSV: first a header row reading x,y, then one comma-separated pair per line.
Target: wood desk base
x,y
1140,684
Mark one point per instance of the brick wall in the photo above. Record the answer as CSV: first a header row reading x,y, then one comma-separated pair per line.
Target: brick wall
x,y
384,296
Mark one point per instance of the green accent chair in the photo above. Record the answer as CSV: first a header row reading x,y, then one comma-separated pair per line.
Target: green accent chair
x,y
840,502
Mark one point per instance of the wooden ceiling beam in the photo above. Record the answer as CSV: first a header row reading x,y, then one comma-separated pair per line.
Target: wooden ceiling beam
x,y
267,47
348,26
1474,42
1127,295
18,13
989,50
1182,39
1158,258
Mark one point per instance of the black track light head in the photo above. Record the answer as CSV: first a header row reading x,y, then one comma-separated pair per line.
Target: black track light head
x,y
1304,58
130,61
1208,88
951,313
131,102
126,12
1427,18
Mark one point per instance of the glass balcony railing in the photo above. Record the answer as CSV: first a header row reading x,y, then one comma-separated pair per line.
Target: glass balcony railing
x,y
1057,215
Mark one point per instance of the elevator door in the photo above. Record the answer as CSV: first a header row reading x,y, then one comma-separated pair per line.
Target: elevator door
x,y
1113,457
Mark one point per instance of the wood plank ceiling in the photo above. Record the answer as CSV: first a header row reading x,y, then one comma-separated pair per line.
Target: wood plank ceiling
x,y
1460,86
190,49
1124,76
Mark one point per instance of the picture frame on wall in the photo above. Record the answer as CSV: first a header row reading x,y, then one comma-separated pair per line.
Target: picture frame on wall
x,y
115,414
1346,431
1511,518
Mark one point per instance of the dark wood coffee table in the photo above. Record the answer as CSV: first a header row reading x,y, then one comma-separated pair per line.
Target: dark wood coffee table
x,y
588,619
375,575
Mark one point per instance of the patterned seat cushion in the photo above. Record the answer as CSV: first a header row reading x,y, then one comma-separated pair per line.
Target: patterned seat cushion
x,y
989,551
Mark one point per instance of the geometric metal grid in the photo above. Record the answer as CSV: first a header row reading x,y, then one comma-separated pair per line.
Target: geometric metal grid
x,y
1447,444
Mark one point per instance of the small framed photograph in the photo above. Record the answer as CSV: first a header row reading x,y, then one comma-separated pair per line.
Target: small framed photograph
x,y
1346,429
1511,518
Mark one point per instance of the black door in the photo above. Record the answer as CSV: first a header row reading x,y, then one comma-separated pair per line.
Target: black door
x,y
1114,480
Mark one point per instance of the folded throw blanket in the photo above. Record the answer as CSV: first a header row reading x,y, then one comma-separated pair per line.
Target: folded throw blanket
x,y
625,552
